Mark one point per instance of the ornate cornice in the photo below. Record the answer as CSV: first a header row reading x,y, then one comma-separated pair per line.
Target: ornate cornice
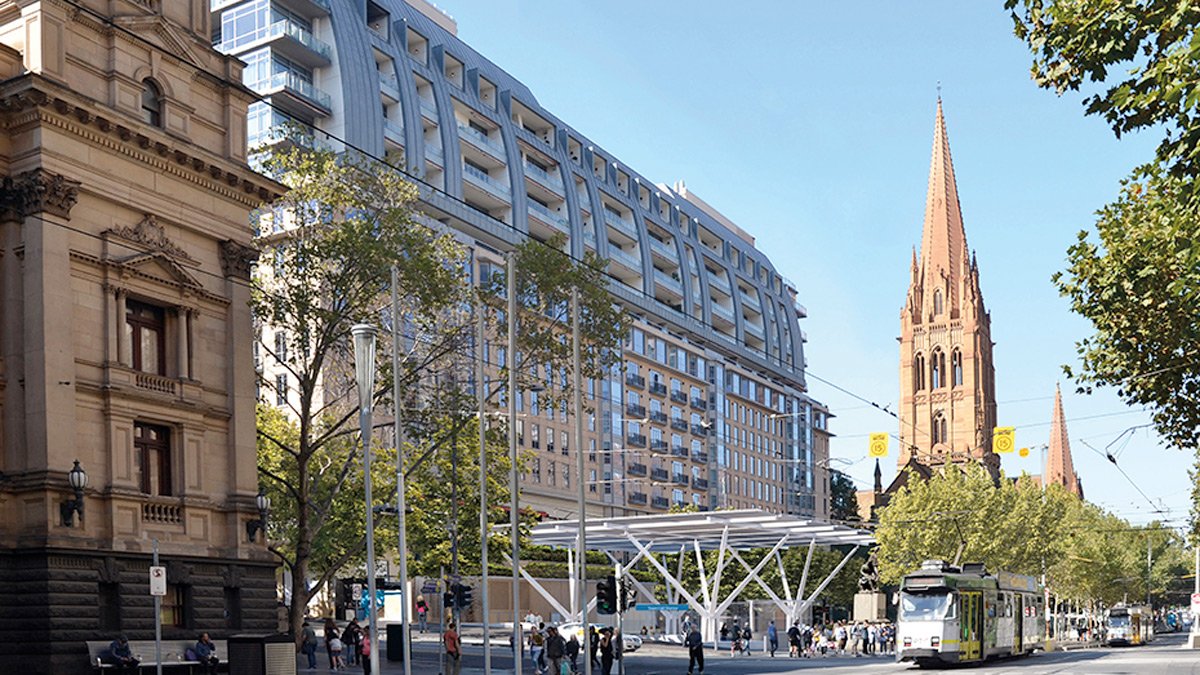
x,y
237,259
27,94
37,191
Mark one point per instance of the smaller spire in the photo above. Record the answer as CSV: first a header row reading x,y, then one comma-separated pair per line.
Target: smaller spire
x,y
878,477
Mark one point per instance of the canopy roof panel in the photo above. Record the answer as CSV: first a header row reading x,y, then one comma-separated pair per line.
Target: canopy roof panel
x,y
667,532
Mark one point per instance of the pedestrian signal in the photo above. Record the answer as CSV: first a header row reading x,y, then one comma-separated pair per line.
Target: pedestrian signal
x,y
463,596
879,445
606,595
1003,439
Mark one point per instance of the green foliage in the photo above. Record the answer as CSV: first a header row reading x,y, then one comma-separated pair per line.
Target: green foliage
x,y
843,504
1139,285
1086,553
1142,57
545,277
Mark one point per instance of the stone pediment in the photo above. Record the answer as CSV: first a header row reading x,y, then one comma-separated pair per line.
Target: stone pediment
x,y
151,236
171,37
158,256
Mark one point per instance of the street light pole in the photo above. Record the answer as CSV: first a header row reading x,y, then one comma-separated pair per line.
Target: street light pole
x,y
481,393
364,371
581,543
401,516
513,486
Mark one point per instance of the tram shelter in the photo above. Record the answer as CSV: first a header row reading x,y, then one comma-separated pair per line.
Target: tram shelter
x,y
730,533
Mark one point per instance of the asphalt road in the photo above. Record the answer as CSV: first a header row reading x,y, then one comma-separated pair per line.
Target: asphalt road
x,y
1165,655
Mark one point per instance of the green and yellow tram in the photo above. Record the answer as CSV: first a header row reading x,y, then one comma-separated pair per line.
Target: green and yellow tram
x,y
952,615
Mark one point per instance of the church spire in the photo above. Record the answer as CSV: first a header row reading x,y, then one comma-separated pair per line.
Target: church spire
x,y
943,241
1059,467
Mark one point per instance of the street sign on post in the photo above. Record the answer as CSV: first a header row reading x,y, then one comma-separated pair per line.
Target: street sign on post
x,y
158,581
644,607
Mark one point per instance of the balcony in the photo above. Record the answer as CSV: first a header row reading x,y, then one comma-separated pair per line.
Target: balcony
x,y
626,258
549,217
428,108
699,403
434,154
719,281
665,250
294,93
389,85
668,281
624,226
637,498
701,457
636,469
723,312
699,483
679,424
753,330
483,180
660,503
543,177
635,440
680,479
658,388
481,140
679,451
635,411
658,446
660,475
289,38
393,131
699,430
635,380
658,416
750,301
679,397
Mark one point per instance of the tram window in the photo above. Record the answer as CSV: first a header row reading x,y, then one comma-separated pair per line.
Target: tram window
x,y
926,607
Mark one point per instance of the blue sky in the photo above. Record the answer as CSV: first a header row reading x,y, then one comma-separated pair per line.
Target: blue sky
x,y
810,125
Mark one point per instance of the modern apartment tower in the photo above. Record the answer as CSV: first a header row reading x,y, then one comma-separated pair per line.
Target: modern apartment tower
x,y
710,408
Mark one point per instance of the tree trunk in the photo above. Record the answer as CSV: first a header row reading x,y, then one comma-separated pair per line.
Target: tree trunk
x,y
299,605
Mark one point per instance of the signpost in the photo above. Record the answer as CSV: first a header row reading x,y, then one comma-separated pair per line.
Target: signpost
x,y
158,588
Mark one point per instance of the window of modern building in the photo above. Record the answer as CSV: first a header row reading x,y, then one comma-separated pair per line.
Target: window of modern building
x,y
418,47
151,103
534,436
281,346
145,332
281,389
152,447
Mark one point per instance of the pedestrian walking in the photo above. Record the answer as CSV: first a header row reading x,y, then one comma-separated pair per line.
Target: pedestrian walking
x,y
422,614
329,631
606,651
746,637
772,638
793,634
335,654
537,645
556,650
352,643
695,646
453,649
595,647
308,645
364,649
572,650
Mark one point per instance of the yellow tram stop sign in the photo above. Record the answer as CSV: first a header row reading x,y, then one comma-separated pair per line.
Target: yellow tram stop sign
x,y
879,445
1003,439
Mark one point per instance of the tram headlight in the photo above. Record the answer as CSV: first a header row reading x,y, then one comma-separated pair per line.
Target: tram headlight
x,y
907,642
935,641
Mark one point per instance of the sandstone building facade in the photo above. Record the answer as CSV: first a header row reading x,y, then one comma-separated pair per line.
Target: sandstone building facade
x,y
125,339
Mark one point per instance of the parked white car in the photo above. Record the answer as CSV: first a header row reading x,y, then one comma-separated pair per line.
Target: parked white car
x,y
632,643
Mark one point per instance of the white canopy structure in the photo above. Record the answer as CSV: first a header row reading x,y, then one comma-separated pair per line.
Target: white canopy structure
x,y
728,532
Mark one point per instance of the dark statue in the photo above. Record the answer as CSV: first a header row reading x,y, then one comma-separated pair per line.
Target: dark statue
x,y
868,575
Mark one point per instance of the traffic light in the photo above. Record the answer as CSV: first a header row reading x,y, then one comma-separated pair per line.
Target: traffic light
x,y
448,597
463,596
606,595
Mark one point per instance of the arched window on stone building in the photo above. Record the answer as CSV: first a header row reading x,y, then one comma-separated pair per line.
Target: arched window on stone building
x,y
918,372
937,302
937,369
956,368
938,428
151,103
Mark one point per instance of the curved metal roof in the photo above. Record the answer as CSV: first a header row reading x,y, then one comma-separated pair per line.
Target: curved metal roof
x,y
666,533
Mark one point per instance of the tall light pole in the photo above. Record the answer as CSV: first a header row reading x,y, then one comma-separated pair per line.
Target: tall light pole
x,y
581,543
513,482
481,394
364,373
401,517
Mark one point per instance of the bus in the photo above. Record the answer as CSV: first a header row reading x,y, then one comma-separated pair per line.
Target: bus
x,y
1130,625
952,615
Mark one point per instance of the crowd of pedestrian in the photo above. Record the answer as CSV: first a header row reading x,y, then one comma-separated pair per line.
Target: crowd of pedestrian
x,y
841,638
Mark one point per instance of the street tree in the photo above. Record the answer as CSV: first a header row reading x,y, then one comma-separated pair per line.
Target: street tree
x,y
843,503
329,246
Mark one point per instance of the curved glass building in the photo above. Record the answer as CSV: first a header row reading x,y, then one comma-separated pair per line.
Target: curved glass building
x,y
711,407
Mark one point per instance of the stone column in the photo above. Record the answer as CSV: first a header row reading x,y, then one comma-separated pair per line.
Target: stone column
x,y
236,261
181,342
124,349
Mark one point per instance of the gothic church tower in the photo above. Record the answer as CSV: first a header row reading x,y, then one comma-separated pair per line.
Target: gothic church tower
x,y
947,380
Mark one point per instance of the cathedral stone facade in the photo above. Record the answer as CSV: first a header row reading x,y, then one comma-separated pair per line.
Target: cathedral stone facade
x,y
125,334
947,379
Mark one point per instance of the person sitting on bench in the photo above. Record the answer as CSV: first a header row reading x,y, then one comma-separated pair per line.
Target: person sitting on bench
x,y
121,656
206,653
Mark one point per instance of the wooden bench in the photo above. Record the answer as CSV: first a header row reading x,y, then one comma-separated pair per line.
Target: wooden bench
x,y
174,654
